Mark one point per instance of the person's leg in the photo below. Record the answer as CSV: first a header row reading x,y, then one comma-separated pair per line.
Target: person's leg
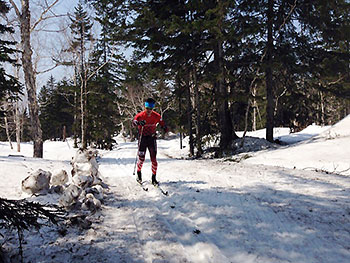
x,y
142,153
153,153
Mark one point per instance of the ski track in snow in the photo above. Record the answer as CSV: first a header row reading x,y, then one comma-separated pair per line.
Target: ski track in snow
x,y
293,216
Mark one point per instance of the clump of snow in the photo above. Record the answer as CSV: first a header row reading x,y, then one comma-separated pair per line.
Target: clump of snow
x,y
70,196
59,177
36,182
86,189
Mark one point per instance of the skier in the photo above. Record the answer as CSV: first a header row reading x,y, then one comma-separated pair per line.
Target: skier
x,y
147,122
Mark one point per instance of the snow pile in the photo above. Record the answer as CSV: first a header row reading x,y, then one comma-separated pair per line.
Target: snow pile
x,y
85,191
306,134
251,144
36,182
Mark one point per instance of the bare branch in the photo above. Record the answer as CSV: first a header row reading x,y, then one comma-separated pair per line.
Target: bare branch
x,y
47,70
41,18
18,13
336,81
93,73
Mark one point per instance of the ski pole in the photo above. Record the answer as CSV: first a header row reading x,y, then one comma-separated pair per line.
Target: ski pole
x,y
138,150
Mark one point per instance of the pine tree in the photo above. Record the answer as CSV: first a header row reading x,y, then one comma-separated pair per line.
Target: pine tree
x,y
102,104
10,87
56,109
81,30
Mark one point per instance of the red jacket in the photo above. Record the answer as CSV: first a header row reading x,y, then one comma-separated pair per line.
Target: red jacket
x,y
151,122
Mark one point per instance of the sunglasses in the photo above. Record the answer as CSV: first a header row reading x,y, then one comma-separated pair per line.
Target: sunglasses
x,y
148,108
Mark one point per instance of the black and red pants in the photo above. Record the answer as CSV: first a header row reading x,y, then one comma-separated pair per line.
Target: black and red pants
x,y
150,143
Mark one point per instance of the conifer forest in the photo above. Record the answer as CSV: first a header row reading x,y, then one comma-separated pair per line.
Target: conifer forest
x,y
214,67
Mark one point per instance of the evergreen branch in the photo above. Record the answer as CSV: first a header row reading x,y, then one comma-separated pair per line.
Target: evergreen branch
x,y
22,214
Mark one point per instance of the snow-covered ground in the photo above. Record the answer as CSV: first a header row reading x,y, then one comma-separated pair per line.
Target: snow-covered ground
x,y
286,204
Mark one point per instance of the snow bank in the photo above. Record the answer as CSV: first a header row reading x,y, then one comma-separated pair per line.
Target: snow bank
x,y
340,129
327,151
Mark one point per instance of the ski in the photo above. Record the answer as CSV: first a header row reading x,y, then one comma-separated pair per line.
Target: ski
x,y
145,188
142,184
161,190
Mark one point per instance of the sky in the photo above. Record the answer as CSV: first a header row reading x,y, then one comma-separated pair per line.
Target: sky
x,y
46,42
279,204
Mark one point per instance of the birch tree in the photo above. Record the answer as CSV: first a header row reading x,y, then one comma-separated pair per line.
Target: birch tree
x,y
27,26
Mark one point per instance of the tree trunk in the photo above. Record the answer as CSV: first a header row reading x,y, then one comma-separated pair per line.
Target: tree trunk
x,y
83,97
64,133
254,109
189,119
224,118
180,113
29,77
268,72
323,122
75,120
8,132
17,113
82,113
18,128
198,114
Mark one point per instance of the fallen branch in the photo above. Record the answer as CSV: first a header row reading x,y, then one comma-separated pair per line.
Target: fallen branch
x,y
20,215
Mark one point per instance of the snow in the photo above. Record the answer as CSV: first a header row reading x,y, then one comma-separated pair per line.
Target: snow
x,y
287,203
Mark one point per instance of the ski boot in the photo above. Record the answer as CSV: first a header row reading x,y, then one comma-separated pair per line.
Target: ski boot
x,y
139,177
154,181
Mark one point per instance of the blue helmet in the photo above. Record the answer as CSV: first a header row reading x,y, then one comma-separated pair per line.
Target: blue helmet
x,y
150,103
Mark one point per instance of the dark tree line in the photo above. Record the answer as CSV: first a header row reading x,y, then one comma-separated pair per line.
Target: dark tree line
x,y
228,62
214,66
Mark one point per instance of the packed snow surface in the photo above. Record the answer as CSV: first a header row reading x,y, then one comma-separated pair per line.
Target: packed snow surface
x,y
282,204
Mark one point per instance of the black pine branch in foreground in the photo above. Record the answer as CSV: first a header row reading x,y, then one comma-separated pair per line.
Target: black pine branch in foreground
x,y
20,215
23,214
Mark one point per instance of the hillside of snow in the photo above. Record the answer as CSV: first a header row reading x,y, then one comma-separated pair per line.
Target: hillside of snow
x,y
326,150
284,204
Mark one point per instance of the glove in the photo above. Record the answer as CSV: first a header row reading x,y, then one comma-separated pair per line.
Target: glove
x,y
142,123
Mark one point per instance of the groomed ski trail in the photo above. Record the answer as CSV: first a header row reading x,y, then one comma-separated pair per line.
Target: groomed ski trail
x,y
224,212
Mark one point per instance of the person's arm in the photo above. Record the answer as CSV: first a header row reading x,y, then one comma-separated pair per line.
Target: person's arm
x,y
163,125
137,121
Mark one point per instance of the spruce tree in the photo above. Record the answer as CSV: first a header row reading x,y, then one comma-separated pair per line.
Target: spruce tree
x,y
56,109
102,104
81,30
10,87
